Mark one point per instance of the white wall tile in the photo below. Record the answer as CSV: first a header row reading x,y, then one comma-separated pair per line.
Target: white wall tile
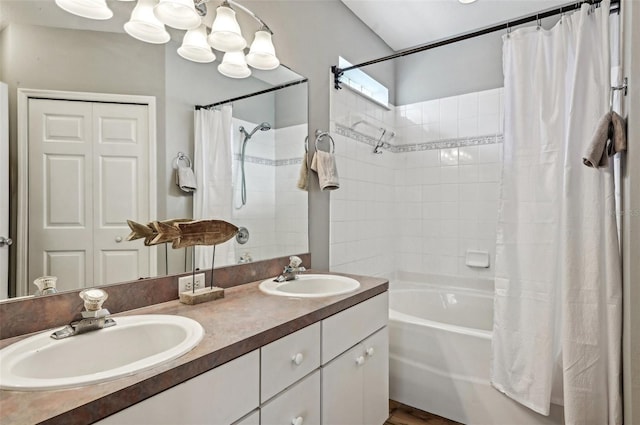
x,y
449,156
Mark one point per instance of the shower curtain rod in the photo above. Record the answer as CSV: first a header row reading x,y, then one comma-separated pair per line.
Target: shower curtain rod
x,y
338,72
246,96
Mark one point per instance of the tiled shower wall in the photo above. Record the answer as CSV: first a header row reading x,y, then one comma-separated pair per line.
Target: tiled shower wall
x,y
432,194
276,210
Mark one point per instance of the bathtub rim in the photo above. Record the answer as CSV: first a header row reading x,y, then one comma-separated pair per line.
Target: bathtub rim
x,y
397,317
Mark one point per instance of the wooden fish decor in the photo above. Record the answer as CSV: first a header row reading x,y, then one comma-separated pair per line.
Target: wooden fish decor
x,y
182,232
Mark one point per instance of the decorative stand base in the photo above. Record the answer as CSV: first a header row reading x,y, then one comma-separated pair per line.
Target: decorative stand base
x,y
201,295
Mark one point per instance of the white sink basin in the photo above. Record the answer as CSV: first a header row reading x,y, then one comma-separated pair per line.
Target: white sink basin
x,y
311,286
134,344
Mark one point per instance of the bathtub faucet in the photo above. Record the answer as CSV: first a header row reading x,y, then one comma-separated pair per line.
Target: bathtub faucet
x,y
291,271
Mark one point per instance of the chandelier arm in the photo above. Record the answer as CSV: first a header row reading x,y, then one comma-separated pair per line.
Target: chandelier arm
x,y
227,3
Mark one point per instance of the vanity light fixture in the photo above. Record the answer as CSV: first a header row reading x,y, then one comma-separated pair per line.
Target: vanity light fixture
x,y
149,17
466,1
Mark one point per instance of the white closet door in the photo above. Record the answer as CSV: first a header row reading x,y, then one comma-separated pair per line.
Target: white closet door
x,y
4,189
86,162
121,188
60,192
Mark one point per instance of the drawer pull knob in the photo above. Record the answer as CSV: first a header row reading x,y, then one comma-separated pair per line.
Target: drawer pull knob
x,y
360,361
297,359
297,421
370,351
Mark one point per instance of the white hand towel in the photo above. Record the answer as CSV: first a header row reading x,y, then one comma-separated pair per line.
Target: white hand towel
x,y
324,163
185,179
303,179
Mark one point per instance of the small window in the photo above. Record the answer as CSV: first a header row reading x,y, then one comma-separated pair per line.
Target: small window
x,y
362,83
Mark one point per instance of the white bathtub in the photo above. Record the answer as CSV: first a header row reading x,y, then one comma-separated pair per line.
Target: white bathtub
x,y
440,352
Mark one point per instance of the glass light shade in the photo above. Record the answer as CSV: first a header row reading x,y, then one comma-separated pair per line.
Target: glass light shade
x,y
262,54
92,9
234,65
180,14
144,25
225,31
195,47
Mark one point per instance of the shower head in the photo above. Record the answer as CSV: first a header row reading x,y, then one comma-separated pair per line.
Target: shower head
x,y
265,126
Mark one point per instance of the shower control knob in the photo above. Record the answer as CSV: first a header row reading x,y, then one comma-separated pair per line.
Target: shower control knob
x,y
360,361
370,351
5,241
297,421
297,359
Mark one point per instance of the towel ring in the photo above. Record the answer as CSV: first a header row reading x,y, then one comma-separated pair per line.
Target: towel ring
x,y
181,157
319,135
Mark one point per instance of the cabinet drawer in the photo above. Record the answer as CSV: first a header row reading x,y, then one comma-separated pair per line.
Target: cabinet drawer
x,y
299,404
343,330
288,359
220,396
252,419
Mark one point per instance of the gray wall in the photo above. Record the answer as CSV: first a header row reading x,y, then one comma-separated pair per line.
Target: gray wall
x,y
468,66
309,36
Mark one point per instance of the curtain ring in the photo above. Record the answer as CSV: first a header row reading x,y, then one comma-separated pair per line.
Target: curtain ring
x,y
306,143
538,22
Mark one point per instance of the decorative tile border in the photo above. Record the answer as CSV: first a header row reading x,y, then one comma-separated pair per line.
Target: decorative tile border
x,y
267,161
417,147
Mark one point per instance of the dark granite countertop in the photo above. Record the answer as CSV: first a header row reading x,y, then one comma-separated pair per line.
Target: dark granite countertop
x,y
244,320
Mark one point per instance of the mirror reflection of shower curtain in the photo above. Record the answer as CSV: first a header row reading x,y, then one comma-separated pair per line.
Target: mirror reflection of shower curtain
x,y
213,198
558,280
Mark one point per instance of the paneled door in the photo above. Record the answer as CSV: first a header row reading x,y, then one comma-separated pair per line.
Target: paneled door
x,y
88,174
5,238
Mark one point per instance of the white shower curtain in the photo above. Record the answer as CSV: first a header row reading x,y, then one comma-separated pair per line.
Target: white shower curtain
x,y
557,315
212,165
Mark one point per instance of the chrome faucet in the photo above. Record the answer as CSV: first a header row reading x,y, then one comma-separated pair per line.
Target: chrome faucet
x,y
291,271
93,318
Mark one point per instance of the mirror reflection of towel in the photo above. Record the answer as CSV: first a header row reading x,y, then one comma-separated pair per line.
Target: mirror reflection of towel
x,y
609,138
185,179
324,163
303,179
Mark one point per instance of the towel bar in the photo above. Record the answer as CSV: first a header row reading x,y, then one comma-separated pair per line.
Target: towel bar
x,y
181,157
321,134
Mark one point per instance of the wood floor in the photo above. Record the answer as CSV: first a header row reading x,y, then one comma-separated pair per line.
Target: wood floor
x,y
400,414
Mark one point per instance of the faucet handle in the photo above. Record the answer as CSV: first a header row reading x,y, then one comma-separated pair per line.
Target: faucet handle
x,y
93,299
294,261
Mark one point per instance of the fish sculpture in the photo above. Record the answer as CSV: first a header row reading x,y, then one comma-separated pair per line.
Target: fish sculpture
x,y
182,232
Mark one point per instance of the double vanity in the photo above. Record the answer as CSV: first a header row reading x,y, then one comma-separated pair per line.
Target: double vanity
x,y
303,357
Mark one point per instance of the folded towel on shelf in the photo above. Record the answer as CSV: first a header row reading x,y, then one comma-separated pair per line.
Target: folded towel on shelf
x,y
324,163
185,179
303,179
609,137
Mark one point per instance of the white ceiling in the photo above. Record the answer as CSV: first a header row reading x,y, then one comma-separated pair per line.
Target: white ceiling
x,y
408,23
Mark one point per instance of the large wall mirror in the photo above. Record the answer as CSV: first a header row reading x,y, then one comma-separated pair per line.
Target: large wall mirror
x,y
76,86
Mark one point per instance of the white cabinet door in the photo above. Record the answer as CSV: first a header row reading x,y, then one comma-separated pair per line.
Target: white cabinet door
x,y
355,385
299,405
342,395
376,378
218,397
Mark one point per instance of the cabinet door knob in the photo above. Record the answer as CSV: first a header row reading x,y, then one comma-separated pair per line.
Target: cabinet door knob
x,y
118,239
370,351
297,359
360,361
297,421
